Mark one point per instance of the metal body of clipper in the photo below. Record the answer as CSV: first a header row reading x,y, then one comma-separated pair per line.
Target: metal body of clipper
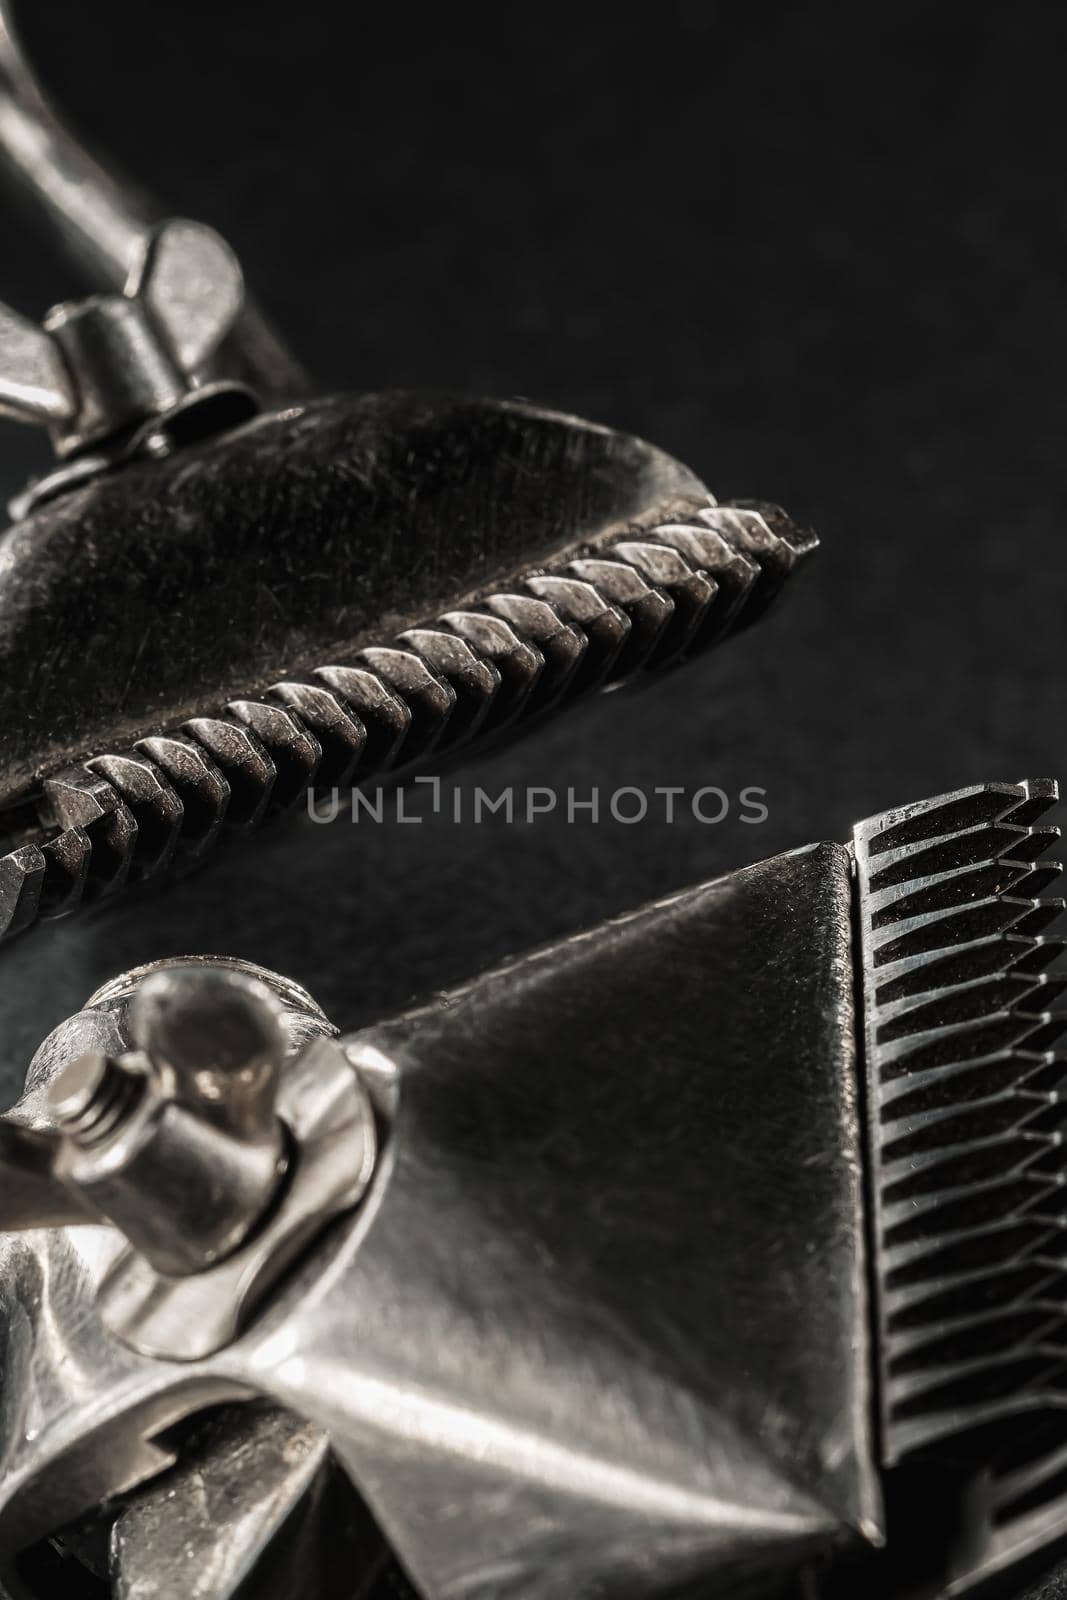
x,y
228,591
713,1251
225,595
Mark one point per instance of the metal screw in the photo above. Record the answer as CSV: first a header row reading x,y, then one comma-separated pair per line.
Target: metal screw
x,y
178,1143
91,1095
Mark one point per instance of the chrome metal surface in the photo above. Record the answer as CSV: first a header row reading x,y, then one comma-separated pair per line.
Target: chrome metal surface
x,y
254,1485
473,1336
35,385
202,618
32,1196
581,1297
330,1122
184,1189
214,1149
608,1288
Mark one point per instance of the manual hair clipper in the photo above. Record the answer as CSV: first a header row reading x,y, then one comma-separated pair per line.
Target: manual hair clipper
x,y
228,592
714,1251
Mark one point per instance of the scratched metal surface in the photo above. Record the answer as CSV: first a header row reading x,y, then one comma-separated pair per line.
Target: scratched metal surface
x,y
817,254
772,345
304,531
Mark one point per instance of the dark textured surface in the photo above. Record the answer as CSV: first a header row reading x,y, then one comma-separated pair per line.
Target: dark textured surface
x,y
280,544
817,252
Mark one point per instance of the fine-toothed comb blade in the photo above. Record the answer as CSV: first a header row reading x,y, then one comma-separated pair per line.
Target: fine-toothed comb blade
x,y
966,1122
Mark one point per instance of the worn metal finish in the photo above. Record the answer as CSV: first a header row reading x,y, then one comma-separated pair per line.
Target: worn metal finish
x,y
581,1296
292,1525
199,621
378,579
106,365
562,1280
622,1403
107,1024
254,1491
474,1331
32,1196
330,1125
410,1256
216,1149
214,575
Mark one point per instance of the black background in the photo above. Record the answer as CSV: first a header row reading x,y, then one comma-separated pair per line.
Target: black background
x,y
817,252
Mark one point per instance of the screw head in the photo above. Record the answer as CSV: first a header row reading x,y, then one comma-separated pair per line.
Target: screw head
x,y
218,1033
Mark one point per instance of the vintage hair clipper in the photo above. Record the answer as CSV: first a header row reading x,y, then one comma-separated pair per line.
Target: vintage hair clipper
x,y
716,1251
227,592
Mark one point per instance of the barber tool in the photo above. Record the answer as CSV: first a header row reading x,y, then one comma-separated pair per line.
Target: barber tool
x,y
713,1251
229,591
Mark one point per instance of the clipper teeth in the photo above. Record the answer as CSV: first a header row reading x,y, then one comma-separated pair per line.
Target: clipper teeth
x,y
339,737
648,610
692,593
604,625
153,803
967,1112
247,766
200,785
637,600
294,750
560,645
371,707
22,875
474,682
518,661
764,534
85,800
733,574
430,699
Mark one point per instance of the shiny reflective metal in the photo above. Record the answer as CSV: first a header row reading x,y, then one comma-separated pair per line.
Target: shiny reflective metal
x,y
472,1335
212,1146
603,1322
118,376
135,371
157,1147
111,363
387,1285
